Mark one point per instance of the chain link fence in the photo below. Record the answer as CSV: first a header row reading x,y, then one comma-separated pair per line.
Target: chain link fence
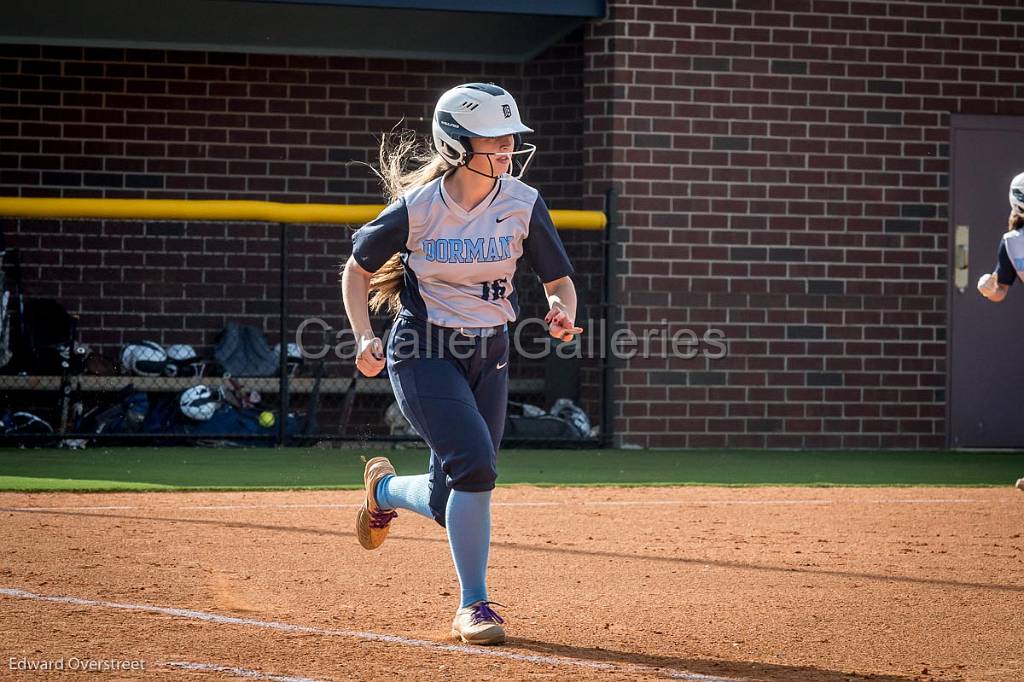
x,y
185,347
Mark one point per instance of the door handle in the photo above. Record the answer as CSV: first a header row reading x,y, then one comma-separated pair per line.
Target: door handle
x,y
961,257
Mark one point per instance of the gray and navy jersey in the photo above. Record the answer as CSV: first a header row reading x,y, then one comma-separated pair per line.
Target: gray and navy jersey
x,y
460,265
1010,259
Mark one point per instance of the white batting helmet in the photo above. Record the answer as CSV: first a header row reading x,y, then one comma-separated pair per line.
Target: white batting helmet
x,y
199,402
572,413
185,361
146,359
478,110
1017,194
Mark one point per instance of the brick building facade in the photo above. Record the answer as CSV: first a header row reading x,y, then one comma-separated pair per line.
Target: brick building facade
x,y
784,170
782,167
120,123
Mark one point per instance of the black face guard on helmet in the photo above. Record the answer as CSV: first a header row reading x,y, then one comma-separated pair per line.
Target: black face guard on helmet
x,y
520,157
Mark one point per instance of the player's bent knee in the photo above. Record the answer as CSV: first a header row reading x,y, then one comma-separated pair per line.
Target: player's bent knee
x,y
476,478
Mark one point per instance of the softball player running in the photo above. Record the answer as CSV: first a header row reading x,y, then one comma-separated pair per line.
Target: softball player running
x,y
1010,261
442,257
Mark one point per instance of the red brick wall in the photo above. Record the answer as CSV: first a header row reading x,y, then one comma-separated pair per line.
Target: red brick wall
x,y
165,124
784,167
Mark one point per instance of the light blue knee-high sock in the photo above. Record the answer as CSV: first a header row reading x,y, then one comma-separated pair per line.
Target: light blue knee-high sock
x,y
468,522
406,492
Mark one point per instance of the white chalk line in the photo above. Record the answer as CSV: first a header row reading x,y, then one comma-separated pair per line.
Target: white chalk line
x,y
568,503
938,500
205,616
233,670
71,508
595,503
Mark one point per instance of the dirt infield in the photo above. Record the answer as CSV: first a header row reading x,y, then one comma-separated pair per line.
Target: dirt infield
x,y
824,584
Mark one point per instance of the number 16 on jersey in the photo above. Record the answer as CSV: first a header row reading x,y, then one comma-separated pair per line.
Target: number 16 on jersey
x,y
492,291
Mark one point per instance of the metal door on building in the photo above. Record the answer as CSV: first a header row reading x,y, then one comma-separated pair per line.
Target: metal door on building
x,y
985,368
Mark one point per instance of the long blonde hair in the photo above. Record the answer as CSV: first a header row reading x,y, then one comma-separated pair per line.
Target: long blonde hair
x,y
1015,221
405,163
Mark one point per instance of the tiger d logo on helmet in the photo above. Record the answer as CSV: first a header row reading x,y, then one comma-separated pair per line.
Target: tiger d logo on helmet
x,y
479,110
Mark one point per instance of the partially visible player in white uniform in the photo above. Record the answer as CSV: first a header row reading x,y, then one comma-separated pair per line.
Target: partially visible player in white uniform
x,y
1010,262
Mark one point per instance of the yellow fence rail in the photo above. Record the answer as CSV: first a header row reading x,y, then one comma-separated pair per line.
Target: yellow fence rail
x,y
203,210
206,209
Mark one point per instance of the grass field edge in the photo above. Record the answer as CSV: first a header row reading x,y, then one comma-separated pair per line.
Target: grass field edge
x,y
702,484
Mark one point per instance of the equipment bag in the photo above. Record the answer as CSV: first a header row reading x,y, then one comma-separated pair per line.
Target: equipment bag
x,y
243,351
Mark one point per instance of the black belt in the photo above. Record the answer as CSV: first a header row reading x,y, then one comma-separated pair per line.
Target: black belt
x,y
481,331
464,331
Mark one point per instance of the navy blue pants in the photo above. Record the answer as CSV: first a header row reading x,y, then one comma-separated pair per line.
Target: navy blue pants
x,y
453,389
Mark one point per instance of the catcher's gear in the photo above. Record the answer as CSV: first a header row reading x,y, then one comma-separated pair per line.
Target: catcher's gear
x,y
199,402
479,110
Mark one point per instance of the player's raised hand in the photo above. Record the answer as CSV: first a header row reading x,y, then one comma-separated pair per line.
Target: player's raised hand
x,y
988,284
560,326
370,358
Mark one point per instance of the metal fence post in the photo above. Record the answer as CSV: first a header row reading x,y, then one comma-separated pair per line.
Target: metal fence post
x,y
282,418
608,305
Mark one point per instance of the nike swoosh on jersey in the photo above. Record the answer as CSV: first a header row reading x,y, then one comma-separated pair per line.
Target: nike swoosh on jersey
x,y
498,220
501,365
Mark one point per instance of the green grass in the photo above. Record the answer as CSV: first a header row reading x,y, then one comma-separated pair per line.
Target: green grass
x,y
106,469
